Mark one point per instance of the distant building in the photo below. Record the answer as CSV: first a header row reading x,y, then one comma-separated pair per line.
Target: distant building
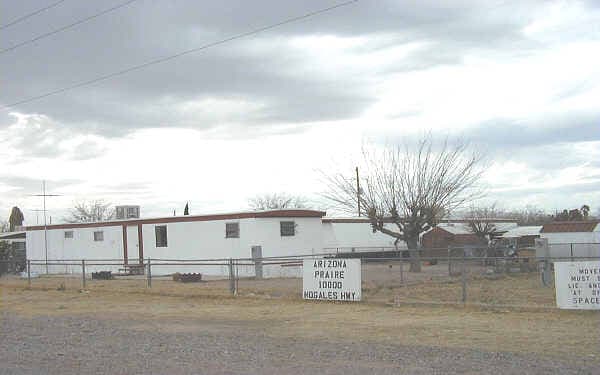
x,y
16,241
458,233
521,237
573,238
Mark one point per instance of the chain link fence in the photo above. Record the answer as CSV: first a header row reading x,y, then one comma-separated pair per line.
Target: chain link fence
x,y
454,276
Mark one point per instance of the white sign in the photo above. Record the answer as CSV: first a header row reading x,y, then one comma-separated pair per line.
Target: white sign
x,y
331,279
577,285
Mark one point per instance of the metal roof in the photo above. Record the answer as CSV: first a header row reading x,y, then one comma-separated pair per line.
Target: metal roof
x,y
12,235
569,226
523,231
455,228
464,228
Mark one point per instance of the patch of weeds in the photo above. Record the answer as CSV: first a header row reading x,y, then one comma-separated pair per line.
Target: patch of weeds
x,y
61,287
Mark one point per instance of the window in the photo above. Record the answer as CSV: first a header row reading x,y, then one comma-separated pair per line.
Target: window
x,y
161,235
232,230
99,236
68,234
287,228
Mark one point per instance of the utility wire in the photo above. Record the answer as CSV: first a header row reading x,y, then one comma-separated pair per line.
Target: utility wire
x,y
63,28
23,18
171,57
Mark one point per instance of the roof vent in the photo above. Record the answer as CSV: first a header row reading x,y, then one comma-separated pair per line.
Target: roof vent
x,y
127,212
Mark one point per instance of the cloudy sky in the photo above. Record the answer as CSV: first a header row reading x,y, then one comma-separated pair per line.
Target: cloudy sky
x,y
519,79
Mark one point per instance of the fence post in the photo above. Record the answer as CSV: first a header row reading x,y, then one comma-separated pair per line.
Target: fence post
x,y
237,278
83,274
149,274
29,273
571,251
401,271
449,260
231,277
464,280
542,254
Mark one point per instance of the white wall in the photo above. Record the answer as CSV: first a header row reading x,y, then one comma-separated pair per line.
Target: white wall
x,y
206,240
185,240
81,246
344,236
585,244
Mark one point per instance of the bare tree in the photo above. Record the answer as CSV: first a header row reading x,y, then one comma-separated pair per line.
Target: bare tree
x,y
530,215
481,222
276,201
409,188
92,211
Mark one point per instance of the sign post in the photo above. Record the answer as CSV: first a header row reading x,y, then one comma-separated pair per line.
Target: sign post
x,y
577,285
332,279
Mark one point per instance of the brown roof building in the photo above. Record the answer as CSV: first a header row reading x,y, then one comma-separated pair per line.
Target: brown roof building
x,y
570,226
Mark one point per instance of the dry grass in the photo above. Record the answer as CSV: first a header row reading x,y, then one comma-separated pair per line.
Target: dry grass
x,y
170,306
381,284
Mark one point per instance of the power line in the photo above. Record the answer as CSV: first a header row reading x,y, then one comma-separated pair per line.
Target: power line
x,y
171,57
23,18
63,28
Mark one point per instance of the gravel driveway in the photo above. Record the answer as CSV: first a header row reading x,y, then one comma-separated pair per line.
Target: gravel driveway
x,y
86,345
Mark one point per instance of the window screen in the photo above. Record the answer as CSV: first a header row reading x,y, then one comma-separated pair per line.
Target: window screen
x,y
161,235
99,236
287,228
232,230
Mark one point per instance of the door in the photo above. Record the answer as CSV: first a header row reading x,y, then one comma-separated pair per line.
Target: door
x,y
133,245
257,258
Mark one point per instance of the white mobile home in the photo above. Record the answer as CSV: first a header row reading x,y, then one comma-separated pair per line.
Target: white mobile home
x,y
355,234
221,236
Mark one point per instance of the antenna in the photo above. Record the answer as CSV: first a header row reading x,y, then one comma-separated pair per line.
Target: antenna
x,y
37,218
44,195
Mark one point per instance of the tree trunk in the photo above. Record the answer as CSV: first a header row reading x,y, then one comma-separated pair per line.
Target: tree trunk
x,y
415,257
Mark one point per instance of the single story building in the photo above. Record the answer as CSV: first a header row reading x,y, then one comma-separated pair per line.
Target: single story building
x,y
573,238
17,255
521,237
129,242
13,238
458,233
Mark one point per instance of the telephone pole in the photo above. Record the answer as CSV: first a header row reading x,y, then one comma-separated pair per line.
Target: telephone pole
x,y
357,191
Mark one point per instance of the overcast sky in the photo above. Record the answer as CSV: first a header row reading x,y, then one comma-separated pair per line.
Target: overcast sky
x,y
519,79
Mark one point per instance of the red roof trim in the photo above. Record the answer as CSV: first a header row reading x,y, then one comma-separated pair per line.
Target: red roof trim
x,y
387,220
346,220
184,219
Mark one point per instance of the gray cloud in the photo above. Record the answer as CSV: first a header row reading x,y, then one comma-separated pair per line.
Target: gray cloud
x,y
571,127
267,78
27,186
263,85
36,136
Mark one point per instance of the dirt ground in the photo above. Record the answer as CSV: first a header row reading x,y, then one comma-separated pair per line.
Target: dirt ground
x,y
456,339
411,325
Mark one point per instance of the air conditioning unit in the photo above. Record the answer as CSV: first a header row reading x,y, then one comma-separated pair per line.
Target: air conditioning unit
x,y
127,212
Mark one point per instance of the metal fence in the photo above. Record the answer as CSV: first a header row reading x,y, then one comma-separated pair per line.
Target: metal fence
x,y
456,276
